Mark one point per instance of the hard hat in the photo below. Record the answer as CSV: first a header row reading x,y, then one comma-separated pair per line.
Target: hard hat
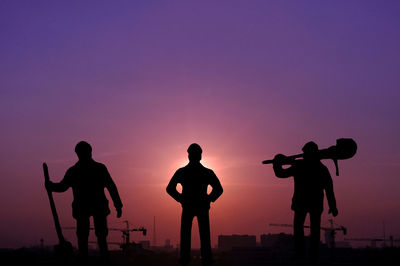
x,y
194,148
310,147
83,147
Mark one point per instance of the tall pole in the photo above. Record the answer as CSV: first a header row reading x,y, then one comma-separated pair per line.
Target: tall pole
x,y
127,234
53,206
384,234
154,231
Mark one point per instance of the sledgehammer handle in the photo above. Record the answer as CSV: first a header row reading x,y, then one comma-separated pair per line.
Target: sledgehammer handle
x,y
267,161
289,159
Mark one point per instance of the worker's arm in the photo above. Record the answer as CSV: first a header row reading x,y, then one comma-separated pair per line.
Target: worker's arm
x,y
277,166
112,189
216,187
61,186
330,195
171,188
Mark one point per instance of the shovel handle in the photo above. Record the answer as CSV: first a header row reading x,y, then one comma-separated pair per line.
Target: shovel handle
x,y
46,172
53,206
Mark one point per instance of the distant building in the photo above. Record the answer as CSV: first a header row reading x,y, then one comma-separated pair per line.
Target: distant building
x,y
343,244
227,242
277,241
168,244
145,244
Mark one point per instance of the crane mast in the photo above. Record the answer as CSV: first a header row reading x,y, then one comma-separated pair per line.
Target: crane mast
x,y
125,233
330,232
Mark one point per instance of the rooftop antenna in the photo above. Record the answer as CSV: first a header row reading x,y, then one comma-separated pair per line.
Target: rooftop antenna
x,y
384,235
154,231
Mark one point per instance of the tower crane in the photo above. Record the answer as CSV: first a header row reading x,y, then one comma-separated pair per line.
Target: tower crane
x,y
330,232
125,233
375,240
127,230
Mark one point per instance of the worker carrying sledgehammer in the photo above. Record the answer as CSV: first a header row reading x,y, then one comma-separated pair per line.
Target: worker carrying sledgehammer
x,y
311,179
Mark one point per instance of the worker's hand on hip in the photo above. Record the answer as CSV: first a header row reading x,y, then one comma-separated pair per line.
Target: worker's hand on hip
x,y
334,211
119,212
180,200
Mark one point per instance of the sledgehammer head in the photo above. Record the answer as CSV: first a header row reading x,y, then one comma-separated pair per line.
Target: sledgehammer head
x,y
345,148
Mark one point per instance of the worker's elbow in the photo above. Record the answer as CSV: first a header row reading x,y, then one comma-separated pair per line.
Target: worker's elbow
x,y
59,187
218,193
277,172
169,190
279,175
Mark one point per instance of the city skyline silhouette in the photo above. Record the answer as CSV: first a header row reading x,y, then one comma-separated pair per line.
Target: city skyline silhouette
x,y
140,81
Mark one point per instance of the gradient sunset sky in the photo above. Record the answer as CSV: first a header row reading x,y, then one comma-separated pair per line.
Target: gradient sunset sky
x,y
141,80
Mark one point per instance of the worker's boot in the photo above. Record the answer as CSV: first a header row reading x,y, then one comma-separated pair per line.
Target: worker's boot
x,y
207,262
103,247
82,250
184,261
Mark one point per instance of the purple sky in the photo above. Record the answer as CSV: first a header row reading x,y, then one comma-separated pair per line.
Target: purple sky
x,y
141,80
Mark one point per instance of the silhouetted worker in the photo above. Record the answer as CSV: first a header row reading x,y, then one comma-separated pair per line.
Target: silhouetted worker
x,y
88,178
311,178
195,201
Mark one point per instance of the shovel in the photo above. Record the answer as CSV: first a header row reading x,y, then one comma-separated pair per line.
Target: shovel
x,y
63,247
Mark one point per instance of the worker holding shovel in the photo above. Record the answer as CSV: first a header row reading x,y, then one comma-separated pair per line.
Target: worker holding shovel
x,y
88,178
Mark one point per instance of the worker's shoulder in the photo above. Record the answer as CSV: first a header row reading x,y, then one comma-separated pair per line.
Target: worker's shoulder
x,y
180,171
198,168
184,170
324,168
93,164
73,168
100,166
208,170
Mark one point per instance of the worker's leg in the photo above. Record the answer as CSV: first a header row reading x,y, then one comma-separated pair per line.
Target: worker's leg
x,y
186,232
82,233
204,228
298,232
101,230
315,226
